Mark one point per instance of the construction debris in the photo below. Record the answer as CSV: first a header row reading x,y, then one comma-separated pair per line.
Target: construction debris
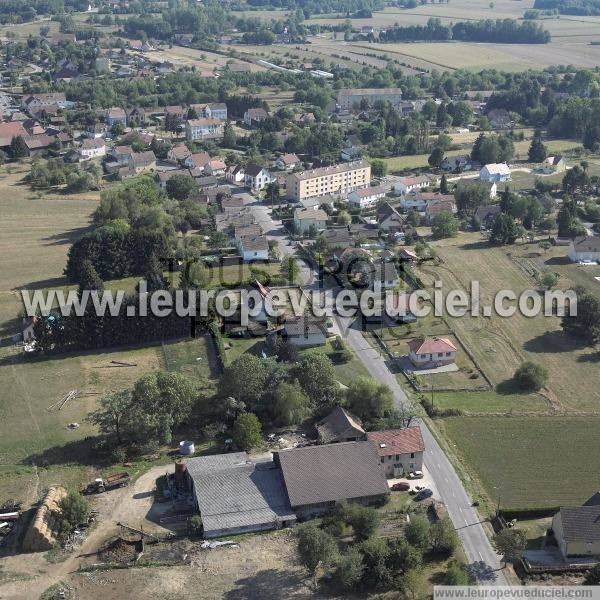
x,y
73,426
138,531
60,404
212,545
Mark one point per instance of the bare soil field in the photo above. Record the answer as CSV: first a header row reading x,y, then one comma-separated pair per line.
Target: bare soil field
x,y
261,566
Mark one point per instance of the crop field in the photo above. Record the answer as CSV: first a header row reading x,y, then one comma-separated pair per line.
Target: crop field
x,y
499,453
571,37
36,231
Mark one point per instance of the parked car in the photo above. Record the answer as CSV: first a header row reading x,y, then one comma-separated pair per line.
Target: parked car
x,y
426,493
415,475
402,486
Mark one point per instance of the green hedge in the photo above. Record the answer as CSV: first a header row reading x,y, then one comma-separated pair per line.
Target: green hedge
x,y
215,332
535,512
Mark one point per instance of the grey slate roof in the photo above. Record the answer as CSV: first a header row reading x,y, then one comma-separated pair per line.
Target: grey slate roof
x,y
593,500
234,492
304,325
331,472
580,523
587,243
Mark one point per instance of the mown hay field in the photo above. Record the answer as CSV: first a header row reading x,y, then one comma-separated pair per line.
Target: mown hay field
x,y
501,344
36,231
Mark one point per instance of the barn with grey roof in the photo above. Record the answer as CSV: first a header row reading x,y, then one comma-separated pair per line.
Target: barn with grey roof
x,y
237,495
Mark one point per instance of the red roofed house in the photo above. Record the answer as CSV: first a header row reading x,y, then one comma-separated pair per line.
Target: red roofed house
x,y
400,450
431,352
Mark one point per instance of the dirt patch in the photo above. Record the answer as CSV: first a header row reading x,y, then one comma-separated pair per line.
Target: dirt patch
x,y
262,566
120,551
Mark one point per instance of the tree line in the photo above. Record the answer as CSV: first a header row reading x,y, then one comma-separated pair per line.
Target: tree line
x,y
499,31
570,7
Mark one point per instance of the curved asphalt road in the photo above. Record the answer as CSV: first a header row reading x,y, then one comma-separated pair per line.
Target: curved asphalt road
x,y
483,561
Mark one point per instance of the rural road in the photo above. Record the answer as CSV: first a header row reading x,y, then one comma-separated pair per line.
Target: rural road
x,y
484,563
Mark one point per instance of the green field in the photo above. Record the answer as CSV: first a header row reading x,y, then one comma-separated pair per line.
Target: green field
x,y
34,438
531,461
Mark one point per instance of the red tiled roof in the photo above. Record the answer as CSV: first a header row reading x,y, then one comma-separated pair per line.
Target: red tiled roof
x,y
431,345
397,441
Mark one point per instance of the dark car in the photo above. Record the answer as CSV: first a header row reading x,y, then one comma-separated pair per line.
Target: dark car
x,y
402,486
426,493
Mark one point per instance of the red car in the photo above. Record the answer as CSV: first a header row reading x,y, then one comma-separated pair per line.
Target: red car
x,y
401,487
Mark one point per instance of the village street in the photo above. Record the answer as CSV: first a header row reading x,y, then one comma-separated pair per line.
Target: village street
x,y
484,562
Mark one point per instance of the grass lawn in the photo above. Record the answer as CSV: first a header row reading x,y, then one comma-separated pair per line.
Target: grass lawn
x,y
36,447
489,402
195,357
533,461
235,347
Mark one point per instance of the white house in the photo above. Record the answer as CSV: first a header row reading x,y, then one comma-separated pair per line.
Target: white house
x,y
413,201
305,218
255,115
216,110
431,352
235,174
405,185
204,129
287,162
585,249
257,178
92,148
495,172
254,248
366,196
